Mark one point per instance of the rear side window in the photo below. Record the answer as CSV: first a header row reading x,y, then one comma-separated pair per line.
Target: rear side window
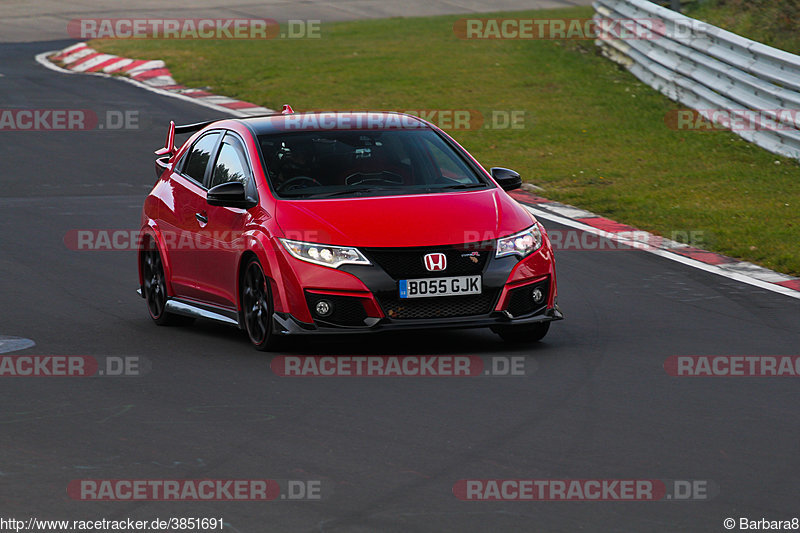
x,y
231,164
197,162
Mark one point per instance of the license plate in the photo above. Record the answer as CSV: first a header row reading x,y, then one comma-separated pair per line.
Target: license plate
x,y
428,287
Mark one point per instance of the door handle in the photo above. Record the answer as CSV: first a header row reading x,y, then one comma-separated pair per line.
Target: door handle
x,y
201,218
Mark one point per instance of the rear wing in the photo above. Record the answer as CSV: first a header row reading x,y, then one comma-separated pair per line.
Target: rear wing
x,y
169,144
164,154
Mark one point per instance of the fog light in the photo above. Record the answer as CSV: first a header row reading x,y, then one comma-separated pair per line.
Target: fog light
x,y
323,308
537,295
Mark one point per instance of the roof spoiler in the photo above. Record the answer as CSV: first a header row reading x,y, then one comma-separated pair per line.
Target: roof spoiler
x,y
169,144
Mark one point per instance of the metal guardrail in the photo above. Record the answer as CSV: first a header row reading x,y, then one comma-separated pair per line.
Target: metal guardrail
x,y
705,68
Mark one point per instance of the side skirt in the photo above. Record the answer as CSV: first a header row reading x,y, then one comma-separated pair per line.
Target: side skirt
x,y
197,310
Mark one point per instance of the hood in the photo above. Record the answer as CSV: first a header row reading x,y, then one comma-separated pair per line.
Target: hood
x,y
404,221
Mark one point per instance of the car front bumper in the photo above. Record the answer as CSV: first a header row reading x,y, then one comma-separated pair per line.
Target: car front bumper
x,y
366,298
285,324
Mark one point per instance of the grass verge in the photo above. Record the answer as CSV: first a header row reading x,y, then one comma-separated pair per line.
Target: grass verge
x,y
772,22
593,135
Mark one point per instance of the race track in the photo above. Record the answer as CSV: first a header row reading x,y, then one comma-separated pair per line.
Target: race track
x,y
595,403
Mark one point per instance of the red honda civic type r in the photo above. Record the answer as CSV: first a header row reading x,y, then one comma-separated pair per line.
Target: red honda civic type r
x,y
320,223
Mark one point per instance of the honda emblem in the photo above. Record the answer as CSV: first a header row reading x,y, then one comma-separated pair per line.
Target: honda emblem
x,y
435,262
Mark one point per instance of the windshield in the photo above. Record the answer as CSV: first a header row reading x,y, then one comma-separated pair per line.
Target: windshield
x,y
364,163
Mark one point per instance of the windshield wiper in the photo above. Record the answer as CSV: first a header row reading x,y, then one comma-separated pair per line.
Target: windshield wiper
x,y
295,194
355,191
459,186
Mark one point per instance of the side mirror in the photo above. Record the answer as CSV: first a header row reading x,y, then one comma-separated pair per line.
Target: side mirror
x,y
507,179
230,194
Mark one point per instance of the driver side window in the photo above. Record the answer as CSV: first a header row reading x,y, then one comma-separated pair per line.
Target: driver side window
x,y
447,164
231,164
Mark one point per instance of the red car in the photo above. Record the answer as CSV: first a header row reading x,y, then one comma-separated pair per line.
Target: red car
x,y
320,223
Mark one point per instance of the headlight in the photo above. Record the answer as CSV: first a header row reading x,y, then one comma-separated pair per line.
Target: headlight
x,y
521,244
325,254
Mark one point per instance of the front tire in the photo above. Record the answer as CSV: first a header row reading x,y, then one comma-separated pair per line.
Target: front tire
x,y
257,307
527,333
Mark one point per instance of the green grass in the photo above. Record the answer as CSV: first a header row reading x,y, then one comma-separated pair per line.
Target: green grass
x,y
772,22
594,136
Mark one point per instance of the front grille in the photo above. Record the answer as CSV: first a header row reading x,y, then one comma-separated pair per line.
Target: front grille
x,y
409,263
437,307
346,310
520,302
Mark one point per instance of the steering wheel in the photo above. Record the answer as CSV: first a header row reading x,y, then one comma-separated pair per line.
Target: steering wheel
x,y
373,178
299,182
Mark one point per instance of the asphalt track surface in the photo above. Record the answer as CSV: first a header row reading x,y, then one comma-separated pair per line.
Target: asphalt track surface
x,y
595,403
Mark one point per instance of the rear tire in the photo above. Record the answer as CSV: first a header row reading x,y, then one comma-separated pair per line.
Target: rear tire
x,y
528,333
257,307
154,290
